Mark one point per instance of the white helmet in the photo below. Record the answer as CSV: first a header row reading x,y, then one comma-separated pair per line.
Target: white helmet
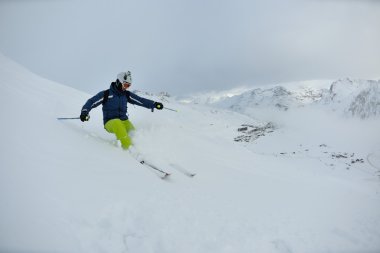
x,y
125,77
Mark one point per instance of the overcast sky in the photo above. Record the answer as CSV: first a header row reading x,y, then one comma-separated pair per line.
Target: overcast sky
x,y
184,46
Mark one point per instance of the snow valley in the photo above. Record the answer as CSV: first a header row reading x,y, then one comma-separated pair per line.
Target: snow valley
x,y
288,168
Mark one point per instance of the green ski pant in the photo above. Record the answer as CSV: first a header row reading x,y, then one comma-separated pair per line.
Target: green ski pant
x,y
120,128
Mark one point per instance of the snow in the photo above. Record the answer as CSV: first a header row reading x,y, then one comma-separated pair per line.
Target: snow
x,y
65,186
349,97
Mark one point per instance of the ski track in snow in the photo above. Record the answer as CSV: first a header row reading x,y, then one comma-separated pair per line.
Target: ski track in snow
x,y
66,186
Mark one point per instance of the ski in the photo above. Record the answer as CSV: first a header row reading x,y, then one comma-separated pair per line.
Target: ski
x,y
139,158
163,174
182,170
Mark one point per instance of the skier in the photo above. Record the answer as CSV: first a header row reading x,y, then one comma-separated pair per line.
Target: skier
x,y
115,101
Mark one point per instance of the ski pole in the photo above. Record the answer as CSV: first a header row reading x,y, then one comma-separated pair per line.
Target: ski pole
x,y
170,109
67,118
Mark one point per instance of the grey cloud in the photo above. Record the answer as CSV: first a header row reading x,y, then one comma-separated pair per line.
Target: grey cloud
x,y
188,46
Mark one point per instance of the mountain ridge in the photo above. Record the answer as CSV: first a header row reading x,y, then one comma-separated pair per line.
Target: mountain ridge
x,y
349,97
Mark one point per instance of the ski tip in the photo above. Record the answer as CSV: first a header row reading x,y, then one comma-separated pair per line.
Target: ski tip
x,y
165,176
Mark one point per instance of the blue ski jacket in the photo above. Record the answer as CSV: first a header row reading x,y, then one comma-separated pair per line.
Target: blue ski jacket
x,y
116,106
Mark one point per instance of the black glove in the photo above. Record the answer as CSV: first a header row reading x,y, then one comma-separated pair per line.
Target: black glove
x,y
84,116
158,105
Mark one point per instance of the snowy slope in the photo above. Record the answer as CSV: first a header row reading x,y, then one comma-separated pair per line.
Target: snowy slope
x,y
65,187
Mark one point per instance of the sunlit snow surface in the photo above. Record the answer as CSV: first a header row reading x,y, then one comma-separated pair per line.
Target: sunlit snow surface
x,y
311,185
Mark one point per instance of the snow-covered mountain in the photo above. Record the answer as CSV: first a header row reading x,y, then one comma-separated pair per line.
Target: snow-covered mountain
x,y
309,182
356,98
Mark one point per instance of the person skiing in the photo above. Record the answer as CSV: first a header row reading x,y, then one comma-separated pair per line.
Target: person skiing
x,y
115,106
